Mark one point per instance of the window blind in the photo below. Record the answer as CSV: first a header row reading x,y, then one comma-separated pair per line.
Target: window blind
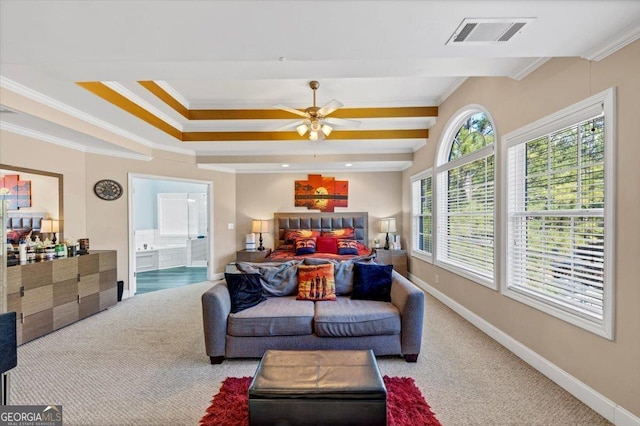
x,y
465,218
422,202
556,221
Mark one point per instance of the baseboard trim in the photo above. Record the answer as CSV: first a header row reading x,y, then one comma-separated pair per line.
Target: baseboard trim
x,y
593,399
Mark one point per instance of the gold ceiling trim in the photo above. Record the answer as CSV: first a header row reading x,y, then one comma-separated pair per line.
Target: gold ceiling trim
x,y
275,114
108,94
165,97
294,136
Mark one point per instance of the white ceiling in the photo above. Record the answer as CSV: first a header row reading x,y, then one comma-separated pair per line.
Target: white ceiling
x,y
255,54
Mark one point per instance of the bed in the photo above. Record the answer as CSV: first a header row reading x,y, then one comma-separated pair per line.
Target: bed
x,y
20,224
340,226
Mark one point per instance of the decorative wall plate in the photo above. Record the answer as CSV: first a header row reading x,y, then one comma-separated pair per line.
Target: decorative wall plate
x,y
108,189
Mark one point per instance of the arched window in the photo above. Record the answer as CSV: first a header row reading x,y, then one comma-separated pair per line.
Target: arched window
x,y
465,197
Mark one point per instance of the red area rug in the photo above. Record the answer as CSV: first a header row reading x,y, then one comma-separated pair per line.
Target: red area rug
x,y
405,404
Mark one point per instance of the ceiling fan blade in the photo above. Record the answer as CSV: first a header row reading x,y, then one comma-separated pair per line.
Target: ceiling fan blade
x,y
291,125
291,110
331,106
342,122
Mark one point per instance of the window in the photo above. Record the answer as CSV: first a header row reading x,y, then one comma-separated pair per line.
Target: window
x,y
465,198
558,208
422,214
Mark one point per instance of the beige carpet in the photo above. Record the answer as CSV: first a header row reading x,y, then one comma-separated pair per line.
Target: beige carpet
x,y
142,362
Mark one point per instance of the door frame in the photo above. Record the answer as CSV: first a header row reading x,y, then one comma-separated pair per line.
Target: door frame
x,y
132,287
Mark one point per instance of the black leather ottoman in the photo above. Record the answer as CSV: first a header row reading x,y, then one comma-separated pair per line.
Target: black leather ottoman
x,y
317,388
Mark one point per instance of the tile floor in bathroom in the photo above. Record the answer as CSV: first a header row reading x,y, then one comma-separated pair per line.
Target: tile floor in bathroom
x,y
168,278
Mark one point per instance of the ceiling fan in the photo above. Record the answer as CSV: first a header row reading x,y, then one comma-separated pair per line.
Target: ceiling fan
x,y
315,119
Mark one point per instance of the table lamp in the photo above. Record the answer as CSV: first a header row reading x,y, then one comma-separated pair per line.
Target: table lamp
x,y
259,226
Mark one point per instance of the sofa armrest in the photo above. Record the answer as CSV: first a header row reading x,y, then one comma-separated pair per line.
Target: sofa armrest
x,y
216,306
409,299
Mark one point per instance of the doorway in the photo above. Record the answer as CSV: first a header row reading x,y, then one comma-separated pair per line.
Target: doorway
x,y
169,240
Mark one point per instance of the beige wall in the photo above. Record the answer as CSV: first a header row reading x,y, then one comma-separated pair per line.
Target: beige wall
x,y
44,193
260,195
105,222
609,367
22,151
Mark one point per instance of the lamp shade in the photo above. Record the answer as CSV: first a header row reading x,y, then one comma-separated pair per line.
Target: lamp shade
x,y
259,225
388,225
50,225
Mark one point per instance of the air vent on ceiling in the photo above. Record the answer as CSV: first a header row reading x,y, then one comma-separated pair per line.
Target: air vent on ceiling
x,y
487,30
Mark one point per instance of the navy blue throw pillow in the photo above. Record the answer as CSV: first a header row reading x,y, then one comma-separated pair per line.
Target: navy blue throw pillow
x,y
372,281
245,291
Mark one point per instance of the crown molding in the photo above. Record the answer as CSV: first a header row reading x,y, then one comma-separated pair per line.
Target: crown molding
x,y
119,88
217,168
174,93
23,131
64,108
451,89
614,44
528,68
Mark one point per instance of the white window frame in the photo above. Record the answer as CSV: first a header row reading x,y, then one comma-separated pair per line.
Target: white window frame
x,y
415,252
601,103
443,165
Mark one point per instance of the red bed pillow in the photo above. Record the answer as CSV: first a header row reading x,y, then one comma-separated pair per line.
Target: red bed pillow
x,y
327,245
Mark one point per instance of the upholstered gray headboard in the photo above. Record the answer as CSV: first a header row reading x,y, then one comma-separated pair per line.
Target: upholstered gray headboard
x,y
24,221
321,222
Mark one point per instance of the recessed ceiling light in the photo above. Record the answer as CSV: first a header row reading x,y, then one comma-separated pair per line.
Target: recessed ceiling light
x,y
348,165
285,165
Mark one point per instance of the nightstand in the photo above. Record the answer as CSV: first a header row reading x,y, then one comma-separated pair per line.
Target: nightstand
x,y
397,258
252,255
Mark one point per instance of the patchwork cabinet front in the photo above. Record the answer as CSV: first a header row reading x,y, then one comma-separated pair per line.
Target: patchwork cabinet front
x,y
49,295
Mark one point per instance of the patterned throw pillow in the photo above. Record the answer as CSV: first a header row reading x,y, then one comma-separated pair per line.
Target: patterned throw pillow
x,y
316,282
347,247
347,233
327,245
305,246
291,235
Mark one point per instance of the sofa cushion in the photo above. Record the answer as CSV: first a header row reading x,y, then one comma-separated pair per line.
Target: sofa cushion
x,y
316,282
372,282
349,318
245,291
278,278
342,271
276,316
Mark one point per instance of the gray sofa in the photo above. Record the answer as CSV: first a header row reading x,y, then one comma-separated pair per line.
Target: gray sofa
x,y
288,324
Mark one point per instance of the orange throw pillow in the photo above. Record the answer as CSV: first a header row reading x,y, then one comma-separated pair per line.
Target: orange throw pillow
x,y
316,282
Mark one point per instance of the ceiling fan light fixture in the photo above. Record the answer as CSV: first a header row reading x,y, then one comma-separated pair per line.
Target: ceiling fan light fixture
x,y
315,125
302,129
313,135
326,129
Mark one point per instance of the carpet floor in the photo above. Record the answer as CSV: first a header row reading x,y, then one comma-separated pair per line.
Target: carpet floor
x,y
142,362
405,404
